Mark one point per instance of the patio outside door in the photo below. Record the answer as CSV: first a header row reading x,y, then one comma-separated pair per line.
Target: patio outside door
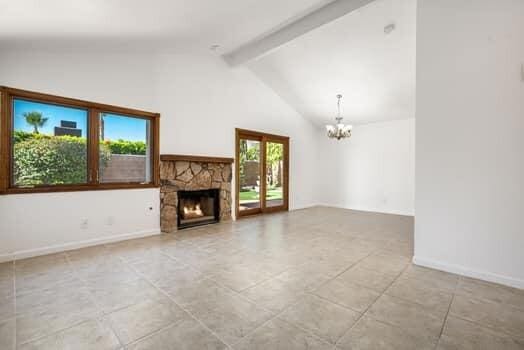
x,y
262,165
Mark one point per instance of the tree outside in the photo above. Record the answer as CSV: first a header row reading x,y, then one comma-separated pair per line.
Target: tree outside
x,y
36,120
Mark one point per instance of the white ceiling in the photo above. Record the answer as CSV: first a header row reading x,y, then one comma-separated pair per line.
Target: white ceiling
x,y
353,56
141,24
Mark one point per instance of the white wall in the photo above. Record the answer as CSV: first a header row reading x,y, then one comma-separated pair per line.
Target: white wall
x,y
201,101
374,170
470,127
34,223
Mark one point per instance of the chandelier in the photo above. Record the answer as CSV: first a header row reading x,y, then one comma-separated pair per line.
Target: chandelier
x,y
338,131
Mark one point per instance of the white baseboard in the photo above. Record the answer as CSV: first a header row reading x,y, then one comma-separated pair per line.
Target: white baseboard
x,y
468,272
22,254
367,210
233,216
306,206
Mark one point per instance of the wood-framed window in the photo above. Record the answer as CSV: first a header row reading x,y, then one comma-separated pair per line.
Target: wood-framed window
x,y
262,172
51,144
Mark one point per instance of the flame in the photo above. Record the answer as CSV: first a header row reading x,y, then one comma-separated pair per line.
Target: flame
x,y
196,211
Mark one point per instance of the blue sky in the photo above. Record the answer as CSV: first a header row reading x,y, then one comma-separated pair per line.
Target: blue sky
x,y
116,126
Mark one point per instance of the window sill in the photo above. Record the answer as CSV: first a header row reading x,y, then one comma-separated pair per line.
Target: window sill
x,y
77,188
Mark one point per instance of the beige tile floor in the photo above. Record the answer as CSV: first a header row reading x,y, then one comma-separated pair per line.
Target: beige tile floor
x,y
319,278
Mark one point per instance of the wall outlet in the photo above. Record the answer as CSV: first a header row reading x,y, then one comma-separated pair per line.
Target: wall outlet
x,y
110,220
84,224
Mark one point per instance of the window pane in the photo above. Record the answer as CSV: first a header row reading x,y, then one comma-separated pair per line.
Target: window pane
x,y
125,149
49,144
275,174
249,196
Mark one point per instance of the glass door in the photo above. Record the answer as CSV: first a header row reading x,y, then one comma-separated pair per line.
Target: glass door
x,y
275,175
261,172
249,175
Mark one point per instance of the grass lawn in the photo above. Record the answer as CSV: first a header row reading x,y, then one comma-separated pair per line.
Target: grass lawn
x,y
252,195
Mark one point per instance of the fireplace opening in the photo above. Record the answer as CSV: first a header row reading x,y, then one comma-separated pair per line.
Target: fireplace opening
x,y
198,208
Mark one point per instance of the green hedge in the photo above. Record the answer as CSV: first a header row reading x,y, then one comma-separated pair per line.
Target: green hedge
x,y
19,136
53,160
116,147
50,161
126,147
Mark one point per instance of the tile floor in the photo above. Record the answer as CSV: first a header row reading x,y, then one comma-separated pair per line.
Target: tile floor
x,y
319,278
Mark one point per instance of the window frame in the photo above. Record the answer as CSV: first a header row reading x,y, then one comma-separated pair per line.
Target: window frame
x,y
8,95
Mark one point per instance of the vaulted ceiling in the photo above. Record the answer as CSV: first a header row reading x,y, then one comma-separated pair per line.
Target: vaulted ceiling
x,y
351,55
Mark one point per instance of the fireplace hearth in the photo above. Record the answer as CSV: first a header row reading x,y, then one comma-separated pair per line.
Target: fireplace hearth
x,y
198,208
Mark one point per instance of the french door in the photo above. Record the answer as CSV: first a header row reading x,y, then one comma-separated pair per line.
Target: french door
x,y
262,172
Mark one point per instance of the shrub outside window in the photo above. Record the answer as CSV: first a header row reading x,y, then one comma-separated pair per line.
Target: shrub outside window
x,y
50,143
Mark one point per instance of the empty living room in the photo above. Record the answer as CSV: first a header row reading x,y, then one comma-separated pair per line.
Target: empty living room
x,y
271,175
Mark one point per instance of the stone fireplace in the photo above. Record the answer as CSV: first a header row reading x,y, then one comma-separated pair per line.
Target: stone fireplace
x,y
194,191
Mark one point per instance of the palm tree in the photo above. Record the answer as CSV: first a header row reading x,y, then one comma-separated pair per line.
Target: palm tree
x,y
35,119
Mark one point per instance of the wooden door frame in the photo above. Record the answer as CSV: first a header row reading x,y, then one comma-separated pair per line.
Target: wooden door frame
x,y
263,138
285,190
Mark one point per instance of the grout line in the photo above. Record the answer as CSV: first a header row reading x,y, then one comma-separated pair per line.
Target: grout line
x,y
272,276
407,300
501,333
237,294
177,304
94,301
241,231
370,305
299,299
337,303
152,334
445,320
277,316
40,337
447,313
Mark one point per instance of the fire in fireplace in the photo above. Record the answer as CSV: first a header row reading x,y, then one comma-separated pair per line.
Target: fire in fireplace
x,y
198,207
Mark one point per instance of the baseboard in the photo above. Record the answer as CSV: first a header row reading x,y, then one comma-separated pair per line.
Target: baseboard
x,y
306,206
302,207
468,272
392,212
23,254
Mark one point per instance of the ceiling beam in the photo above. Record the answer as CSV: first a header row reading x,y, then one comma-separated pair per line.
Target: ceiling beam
x,y
288,32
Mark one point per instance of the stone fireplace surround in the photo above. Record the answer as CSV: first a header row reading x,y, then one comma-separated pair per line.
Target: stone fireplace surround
x,y
190,173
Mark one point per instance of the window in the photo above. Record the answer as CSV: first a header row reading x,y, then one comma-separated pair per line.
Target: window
x,y
125,149
51,143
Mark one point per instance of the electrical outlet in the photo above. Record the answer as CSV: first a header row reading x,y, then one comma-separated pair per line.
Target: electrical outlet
x,y
110,220
84,224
